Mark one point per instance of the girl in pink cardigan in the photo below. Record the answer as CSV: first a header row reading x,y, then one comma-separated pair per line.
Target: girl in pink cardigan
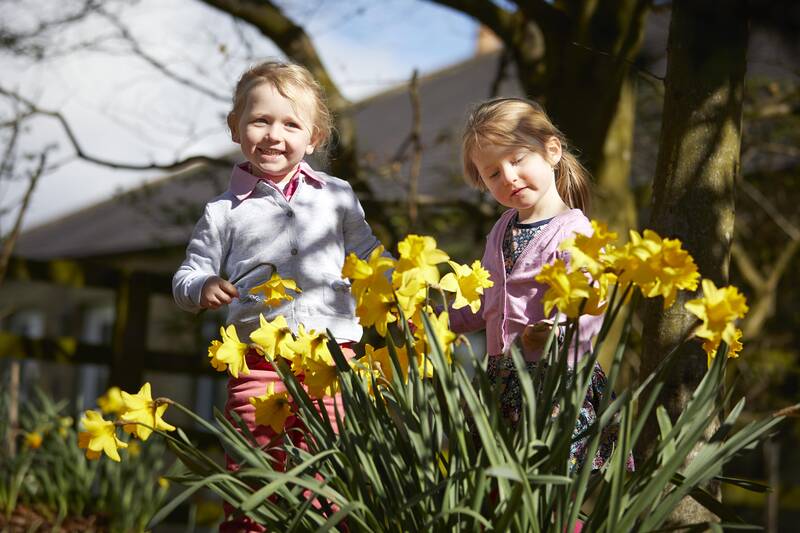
x,y
512,149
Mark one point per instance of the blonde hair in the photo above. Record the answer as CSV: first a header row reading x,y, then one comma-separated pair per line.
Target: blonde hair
x,y
521,123
294,83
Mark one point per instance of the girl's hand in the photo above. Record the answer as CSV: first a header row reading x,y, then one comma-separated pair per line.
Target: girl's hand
x,y
217,292
535,335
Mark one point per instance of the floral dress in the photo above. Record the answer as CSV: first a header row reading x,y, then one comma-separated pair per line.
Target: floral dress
x,y
503,376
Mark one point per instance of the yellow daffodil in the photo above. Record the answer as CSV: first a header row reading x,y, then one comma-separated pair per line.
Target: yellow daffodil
x,y
381,359
298,348
416,318
273,337
163,482
659,267
592,253
420,252
111,401
319,369
368,275
231,353
410,291
216,363
424,365
566,289
376,309
468,283
99,436
142,415
441,330
733,349
33,440
366,372
718,309
64,423
272,409
320,377
274,290
599,292
134,448
305,347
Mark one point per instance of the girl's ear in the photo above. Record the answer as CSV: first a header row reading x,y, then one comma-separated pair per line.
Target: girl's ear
x,y
553,149
312,144
234,127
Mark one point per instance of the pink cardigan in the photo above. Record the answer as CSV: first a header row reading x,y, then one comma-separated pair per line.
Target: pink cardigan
x,y
516,300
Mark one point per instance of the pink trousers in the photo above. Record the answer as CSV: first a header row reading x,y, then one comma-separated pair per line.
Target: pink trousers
x,y
240,390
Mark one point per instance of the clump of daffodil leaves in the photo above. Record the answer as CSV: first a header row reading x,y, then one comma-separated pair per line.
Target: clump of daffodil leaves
x,y
422,445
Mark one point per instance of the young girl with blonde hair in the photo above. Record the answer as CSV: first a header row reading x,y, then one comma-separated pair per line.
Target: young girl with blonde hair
x,y
278,215
512,149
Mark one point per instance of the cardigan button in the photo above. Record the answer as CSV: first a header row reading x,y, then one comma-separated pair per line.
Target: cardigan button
x,y
294,251
290,214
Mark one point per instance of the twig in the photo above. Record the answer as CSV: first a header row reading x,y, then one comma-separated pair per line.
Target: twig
x,y
155,63
33,109
416,154
11,239
769,208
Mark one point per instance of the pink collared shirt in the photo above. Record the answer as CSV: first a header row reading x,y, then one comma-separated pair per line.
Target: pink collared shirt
x,y
243,182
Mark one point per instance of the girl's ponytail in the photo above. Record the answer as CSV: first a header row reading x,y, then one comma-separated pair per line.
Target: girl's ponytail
x,y
572,181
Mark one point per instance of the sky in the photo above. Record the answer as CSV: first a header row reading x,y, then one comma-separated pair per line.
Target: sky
x,y
122,109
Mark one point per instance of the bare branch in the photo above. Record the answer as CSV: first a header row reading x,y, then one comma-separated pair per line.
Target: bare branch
x,y
416,146
763,305
16,41
7,164
288,36
769,208
33,109
545,14
11,239
502,22
747,267
155,63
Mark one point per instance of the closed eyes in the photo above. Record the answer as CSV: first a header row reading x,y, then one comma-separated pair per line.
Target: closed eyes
x,y
515,161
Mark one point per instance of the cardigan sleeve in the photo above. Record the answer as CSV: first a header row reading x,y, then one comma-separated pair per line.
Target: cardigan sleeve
x,y
203,260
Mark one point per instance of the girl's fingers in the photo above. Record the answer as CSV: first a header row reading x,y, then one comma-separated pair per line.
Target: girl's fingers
x,y
229,289
223,297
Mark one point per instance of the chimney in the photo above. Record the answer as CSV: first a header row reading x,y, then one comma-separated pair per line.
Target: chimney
x,y
487,41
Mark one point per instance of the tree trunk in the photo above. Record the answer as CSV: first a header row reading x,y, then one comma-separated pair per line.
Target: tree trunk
x,y
693,192
590,95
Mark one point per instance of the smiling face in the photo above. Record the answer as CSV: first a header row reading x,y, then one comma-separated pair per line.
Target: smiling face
x,y
274,133
521,178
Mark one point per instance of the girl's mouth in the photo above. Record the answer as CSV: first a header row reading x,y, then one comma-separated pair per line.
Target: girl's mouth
x,y
517,191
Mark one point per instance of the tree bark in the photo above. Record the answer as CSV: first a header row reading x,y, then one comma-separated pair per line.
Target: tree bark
x,y
590,95
693,193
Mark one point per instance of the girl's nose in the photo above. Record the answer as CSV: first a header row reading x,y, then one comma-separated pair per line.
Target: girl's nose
x,y
509,176
272,133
